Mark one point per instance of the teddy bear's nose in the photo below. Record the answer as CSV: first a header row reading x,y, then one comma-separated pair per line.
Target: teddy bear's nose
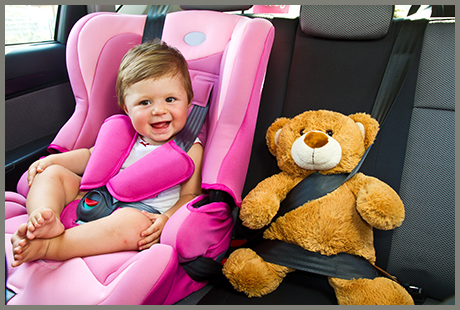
x,y
315,139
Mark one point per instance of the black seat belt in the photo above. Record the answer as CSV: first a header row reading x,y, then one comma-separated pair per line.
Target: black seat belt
x,y
342,265
406,46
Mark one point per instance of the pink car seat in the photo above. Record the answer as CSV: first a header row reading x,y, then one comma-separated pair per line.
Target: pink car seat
x,y
227,57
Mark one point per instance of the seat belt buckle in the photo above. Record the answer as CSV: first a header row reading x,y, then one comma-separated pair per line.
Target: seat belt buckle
x,y
418,294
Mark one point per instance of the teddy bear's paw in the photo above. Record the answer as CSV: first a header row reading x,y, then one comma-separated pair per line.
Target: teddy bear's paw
x,y
380,206
378,291
249,273
256,213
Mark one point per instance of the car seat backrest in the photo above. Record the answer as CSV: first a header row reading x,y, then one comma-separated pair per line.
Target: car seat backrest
x,y
94,50
333,69
330,67
239,60
423,248
344,75
336,64
227,67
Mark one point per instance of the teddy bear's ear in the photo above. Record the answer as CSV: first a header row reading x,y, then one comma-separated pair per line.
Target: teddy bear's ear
x,y
273,132
370,126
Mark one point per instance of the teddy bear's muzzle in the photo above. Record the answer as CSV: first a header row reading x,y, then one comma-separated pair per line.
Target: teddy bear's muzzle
x,y
315,150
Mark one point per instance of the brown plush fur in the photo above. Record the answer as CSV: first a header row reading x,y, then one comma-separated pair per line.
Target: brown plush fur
x,y
379,291
340,222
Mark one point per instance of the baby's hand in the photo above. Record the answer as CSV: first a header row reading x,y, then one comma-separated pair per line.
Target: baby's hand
x,y
151,235
37,167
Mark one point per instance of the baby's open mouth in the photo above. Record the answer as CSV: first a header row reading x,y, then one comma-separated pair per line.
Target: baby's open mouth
x,y
160,125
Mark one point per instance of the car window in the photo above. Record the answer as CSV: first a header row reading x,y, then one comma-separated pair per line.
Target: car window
x,y
293,11
284,11
29,24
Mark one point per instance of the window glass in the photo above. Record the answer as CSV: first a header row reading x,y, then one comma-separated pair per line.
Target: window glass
x,y
29,23
401,10
285,11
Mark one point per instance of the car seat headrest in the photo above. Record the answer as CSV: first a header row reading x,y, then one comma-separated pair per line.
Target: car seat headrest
x,y
346,22
216,7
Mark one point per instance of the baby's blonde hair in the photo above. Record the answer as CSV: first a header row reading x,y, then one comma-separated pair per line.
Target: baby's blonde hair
x,y
151,60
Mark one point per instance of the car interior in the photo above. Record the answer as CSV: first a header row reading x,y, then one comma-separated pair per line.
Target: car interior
x,y
317,57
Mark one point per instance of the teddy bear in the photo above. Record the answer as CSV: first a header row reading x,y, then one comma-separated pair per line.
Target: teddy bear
x,y
342,221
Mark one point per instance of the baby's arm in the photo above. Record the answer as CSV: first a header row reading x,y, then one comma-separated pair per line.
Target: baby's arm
x,y
75,161
189,190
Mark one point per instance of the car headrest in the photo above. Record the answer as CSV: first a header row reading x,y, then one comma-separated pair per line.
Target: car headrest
x,y
216,7
346,22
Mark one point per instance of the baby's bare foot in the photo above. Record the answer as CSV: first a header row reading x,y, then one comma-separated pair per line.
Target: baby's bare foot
x,y
18,239
43,224
25,250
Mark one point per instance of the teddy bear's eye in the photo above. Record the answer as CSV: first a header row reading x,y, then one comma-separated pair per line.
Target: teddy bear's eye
x,y
302,131
329,132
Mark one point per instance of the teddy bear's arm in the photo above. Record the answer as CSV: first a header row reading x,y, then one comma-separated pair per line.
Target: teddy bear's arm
x,y
262,203
377,203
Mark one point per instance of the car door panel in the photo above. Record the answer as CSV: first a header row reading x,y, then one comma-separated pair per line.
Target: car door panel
x,y
38,97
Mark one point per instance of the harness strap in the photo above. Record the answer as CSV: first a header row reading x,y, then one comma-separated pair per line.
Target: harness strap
x,y
154,22
195,120
203,269
153,29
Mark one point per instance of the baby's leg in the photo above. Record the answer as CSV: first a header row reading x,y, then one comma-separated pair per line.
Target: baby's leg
x,y
50,192
119,231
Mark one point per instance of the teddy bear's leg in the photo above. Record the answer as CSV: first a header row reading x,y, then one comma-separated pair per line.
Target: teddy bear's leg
x,y
249,273
378,291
